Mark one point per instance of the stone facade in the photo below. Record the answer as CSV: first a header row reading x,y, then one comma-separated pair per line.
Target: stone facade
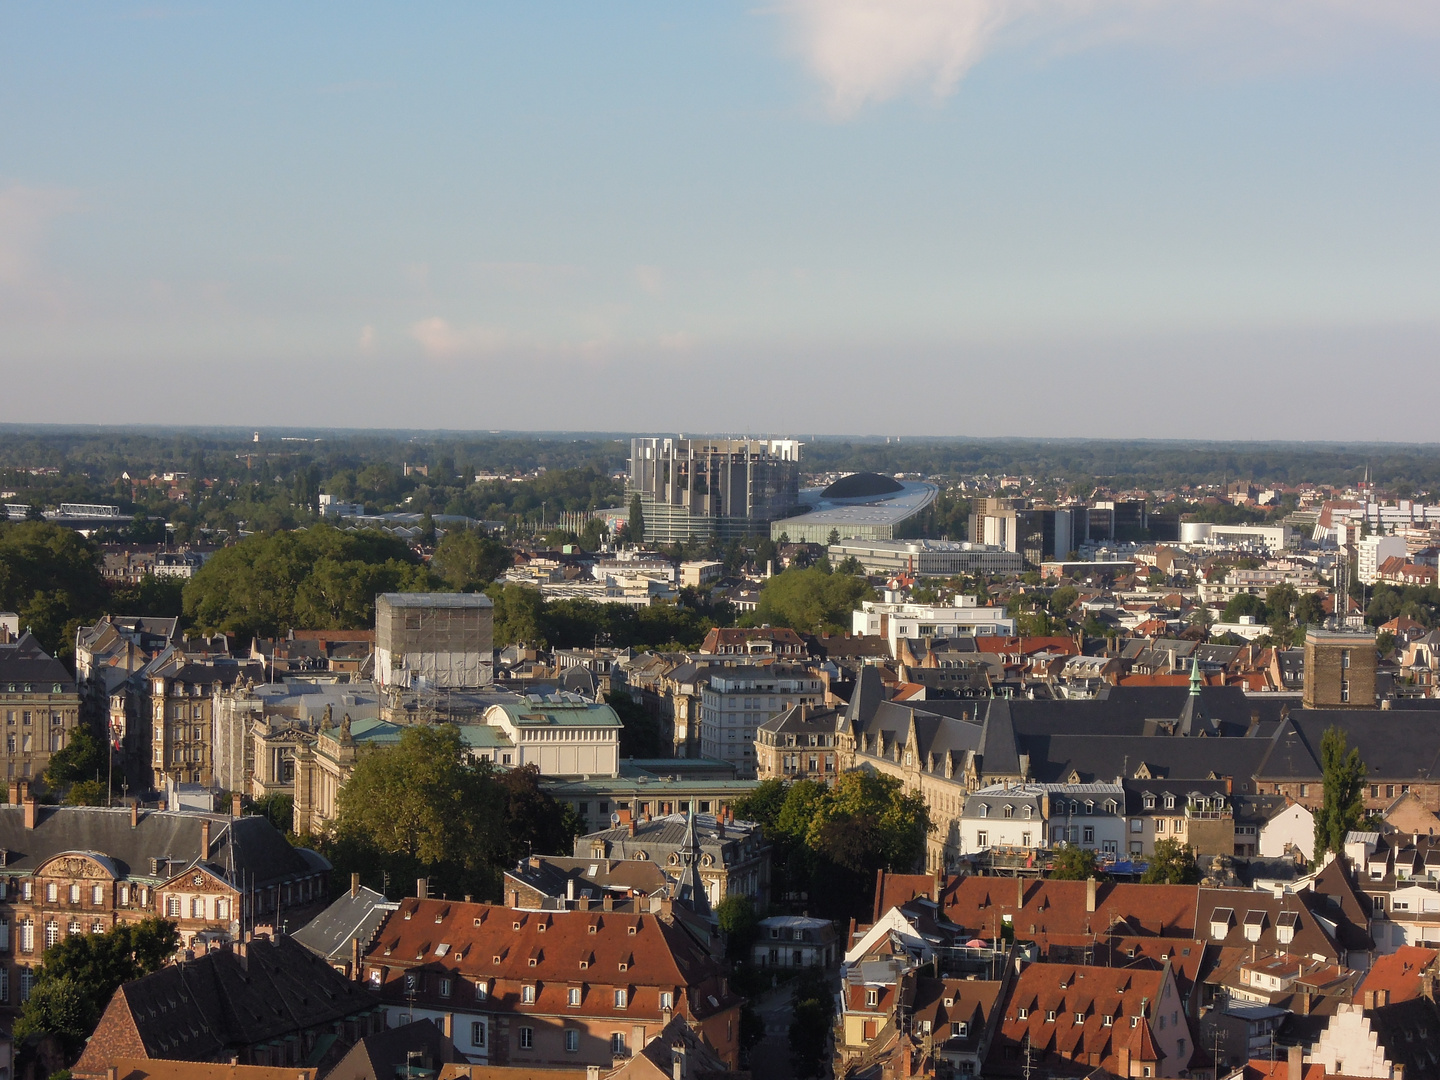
x,y
1339,669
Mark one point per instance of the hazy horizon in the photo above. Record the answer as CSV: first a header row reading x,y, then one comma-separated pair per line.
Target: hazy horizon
x,y
939,218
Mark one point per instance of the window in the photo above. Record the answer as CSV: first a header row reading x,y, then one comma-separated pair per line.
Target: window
x,y
1023,1014
52,933
445,985
1027,812
572,1041
958,1029
27,935
97,896
621,998
5,984
1304,791
172,906
1344,689
984,810
982,838
52,892
74,928
477,1031
617,1042
1079,1018
1050,1016
1089,806
872,998
1089,834
527,995
27,980
4,934
222,909
481,991
1008,812
667,1000
1149,801
574,995
1136,825
97,926
197,907
527,1038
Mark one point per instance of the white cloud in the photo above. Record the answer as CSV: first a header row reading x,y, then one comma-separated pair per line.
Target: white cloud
x,y
442,341
25,212
863,51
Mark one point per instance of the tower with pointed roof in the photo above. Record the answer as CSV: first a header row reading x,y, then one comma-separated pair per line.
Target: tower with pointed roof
x,y
690,890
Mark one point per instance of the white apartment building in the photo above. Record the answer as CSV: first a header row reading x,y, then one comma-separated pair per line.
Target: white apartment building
x,y
738,700
1029,816
1371,553
893,619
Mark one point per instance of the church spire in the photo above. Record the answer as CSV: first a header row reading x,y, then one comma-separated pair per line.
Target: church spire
x,y
1196,680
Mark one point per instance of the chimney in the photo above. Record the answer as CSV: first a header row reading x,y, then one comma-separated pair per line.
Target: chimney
x,y
29,811
607,902
677,1060
355,972
592,1072
939,887
235,805
112,1073
1124,1069
512,898
135,813
584,903
1019,894
205,839
422,888
570,890
1295,1060
630,826
24,791
354,885
14,799
1090,895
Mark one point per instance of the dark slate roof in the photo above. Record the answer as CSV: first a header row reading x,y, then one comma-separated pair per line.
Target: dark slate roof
x,y
251,845
1101,758
1395,744
200,1009
24,661
330,933
1125,710
384,1055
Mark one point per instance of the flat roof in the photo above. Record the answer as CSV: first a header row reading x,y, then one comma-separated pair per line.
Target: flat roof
x,y
914,496
437,600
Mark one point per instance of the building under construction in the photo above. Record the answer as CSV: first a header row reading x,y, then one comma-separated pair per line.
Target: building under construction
x,y
434,641
696,489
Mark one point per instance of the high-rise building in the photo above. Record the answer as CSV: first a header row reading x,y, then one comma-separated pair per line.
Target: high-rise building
x,y
696,489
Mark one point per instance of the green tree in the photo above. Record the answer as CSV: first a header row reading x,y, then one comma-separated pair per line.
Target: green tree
x,y
82,758
1384,642
519,615
811,600
867,820
1063,599
763,804
1172,864
739,923
423,806
1075,864
319,578
278,809
1344,804
814,1012
80,972
637,520
1310,609
155,597
468,560
50,577
833,538
535,824
640,734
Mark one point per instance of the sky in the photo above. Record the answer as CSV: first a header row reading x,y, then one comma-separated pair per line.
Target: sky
x,y
1109,218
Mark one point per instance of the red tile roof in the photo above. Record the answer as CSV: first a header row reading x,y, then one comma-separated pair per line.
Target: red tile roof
x,y
1066,1007
1399,973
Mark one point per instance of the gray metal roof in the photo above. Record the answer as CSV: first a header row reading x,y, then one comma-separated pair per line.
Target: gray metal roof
x,y
437,600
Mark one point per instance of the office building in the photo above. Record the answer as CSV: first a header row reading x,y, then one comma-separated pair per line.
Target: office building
x,y
927,558
696,489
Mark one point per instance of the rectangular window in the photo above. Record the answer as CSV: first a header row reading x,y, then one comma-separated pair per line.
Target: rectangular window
x,y
620,999
572,1041
527,1038
617,1043
1136,825
172,907
197,907
527,995
667,1000
574,998
52,892
477,1032
27,980
97,896
982,839
1089,834
444,988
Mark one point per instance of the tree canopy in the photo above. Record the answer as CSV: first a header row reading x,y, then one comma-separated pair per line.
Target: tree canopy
x,y
1344,804
1076,864
468,559
80,972
1172,864
319,578
50,577
811,600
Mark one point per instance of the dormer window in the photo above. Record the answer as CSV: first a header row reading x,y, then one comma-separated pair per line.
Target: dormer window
x,y
1089,806
1027,812
1008,812
1022,1014
527,994
1107,1021
984,810
872,998
1149,801
1169,801
1050,1016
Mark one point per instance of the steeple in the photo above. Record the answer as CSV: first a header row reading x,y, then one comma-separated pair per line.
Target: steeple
x,y
1196,681
690,890
1193,720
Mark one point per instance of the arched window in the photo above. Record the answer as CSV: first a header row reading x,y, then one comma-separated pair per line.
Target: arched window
x,y
1009,811
1029,810
984,810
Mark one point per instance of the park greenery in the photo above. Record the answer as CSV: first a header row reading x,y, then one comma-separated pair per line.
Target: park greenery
x,y
811,600
813,1005
829,840
424,807
80,972
1076,864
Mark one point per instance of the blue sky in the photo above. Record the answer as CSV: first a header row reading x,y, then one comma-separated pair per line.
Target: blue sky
x,y
969,217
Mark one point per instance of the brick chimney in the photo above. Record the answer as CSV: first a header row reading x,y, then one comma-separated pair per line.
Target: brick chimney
x,y
422,888
205,839
355,972
235,805
354,885
1124,1055
1295,1062
1090,895
607,902
134,813
29,811
14,799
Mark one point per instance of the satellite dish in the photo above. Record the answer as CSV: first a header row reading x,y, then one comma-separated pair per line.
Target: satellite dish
x,y
614,818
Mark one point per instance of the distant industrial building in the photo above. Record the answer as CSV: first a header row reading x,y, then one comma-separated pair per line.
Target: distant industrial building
x,y
1043,533
864,506
698,489
895,619
1210,534
928,558
434,640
